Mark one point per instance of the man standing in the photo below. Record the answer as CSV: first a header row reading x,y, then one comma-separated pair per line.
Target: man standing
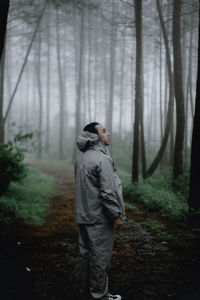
x,y
99,208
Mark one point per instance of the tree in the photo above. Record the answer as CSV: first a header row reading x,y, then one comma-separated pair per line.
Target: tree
x,y
79,80
3,119
138,82
4,7
61,88
178,88
194,192
169,118
109,114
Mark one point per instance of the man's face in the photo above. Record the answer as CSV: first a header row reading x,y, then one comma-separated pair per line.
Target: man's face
x,y
103,134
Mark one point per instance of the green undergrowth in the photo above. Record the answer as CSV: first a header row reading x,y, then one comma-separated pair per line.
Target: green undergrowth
x,y
162,232
156,194
27,199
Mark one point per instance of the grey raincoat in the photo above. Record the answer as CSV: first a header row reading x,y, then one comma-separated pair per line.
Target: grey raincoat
x,y
98,186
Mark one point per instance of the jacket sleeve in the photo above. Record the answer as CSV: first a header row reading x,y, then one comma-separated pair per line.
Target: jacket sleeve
x,y
108,190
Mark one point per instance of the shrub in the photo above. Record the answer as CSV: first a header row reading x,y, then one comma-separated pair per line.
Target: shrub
x,y
156,193
27,199
12,167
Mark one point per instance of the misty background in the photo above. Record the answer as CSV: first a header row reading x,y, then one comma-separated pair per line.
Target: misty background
x,y
68,63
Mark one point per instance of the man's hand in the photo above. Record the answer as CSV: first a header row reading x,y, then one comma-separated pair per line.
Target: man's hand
x,y
117,223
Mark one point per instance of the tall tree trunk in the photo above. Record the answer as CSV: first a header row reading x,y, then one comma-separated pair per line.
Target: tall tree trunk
x,y
169,118
194,193
47,143
109,116
89,63
24,64
4,7
178,87
2,124
39,151
123,47
138,79
79,82
143,152
96,69
61,88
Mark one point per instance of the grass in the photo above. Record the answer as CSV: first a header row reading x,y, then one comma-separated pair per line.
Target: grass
x,y
156,193
27,199
162,232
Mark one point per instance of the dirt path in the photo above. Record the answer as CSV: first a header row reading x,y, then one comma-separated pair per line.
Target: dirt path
x,y
40,262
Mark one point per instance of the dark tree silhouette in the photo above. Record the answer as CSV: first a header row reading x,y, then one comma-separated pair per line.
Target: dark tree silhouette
x,y
138,82
4,7
194,195
178,88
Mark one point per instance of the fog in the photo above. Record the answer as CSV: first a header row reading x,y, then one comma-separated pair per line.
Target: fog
x,y
81,67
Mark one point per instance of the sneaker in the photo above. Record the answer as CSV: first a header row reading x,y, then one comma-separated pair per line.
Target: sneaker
x,y
114,297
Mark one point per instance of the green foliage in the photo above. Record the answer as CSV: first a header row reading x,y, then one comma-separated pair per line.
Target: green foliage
x,y
161,232
26,199
182,184
129,205
156,193
12,167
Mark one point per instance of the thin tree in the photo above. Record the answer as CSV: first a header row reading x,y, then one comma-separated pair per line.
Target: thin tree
x,y
40,98
22,69
194,192
109,113
4,7
79,81
178,88
161,150
138,82
61,88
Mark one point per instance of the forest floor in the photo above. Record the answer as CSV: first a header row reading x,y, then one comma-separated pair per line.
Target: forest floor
x,y
41,261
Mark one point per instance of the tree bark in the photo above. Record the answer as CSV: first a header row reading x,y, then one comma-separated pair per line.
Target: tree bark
x,y
79,83
138,79
61,88
24,64
194,192
109,116
4,7
160,153
40,98
178,87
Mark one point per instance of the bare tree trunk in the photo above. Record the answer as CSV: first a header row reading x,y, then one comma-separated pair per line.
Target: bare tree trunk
x,y
89,63
47,143
4,7
194,194
123,47
138,79
160,153
96,69
79,82
61,88
179,95
2,124
39,151
109,116
24,64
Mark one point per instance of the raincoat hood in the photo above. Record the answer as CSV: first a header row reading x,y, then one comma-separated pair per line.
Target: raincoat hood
x,y
88,140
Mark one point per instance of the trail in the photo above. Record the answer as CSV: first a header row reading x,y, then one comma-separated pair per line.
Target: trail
x,y
41,262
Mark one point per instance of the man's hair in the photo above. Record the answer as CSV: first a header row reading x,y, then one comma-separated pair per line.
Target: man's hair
x,y
91,127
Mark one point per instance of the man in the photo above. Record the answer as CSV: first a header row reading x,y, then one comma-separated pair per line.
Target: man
x,y
99,208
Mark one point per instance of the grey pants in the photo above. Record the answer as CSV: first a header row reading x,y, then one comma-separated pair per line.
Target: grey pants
x,y
96,244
